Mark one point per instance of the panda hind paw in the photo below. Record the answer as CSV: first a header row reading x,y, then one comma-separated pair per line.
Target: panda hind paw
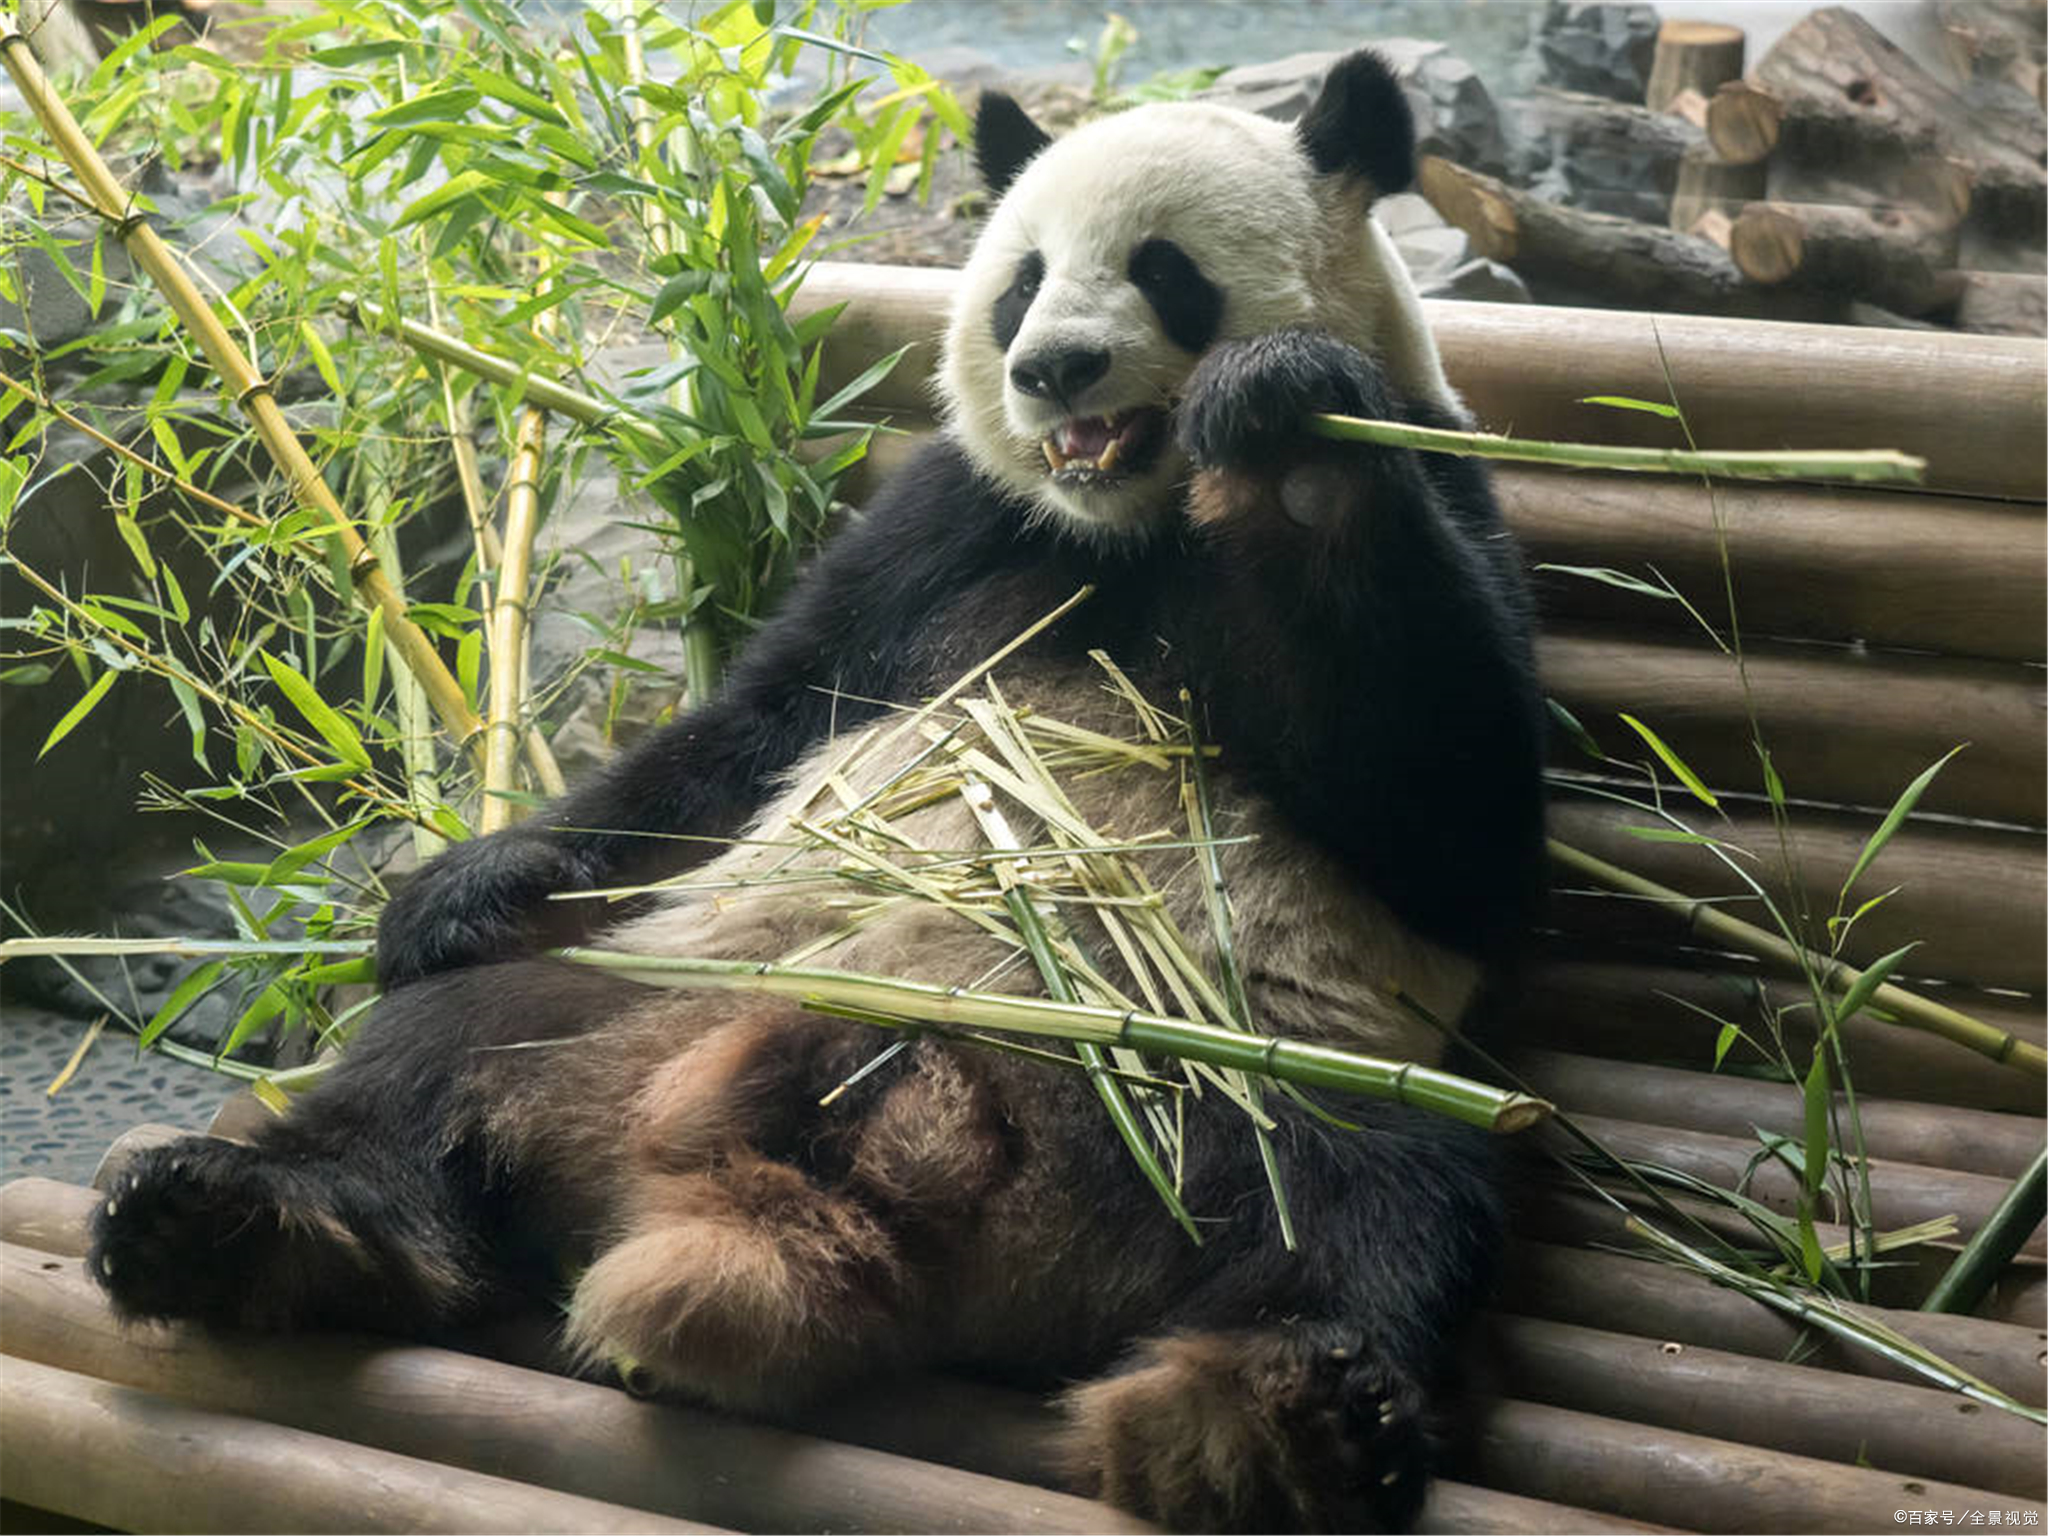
x,y
203,1228
1300,1428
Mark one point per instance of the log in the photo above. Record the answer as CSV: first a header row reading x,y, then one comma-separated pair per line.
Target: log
x,y
958,1423
136,1461
1885,255
1902,1194
490,1417
2019,1297
1972,896
2000,1146
1614,157
1701,1483
1662,1014
1708,184
1464,1509
1920,1431
1668,1304
1693,56
1842,726
1744,122
47,1215
1888,570
2003,304
1529,367
1598,257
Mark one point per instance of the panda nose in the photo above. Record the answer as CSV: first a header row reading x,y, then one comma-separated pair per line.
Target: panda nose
x,y
1059,375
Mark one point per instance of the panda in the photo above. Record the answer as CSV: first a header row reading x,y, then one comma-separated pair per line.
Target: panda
x,y
1156,303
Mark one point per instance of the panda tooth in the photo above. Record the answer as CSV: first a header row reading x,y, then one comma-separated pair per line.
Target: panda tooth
x,y
1054,459
1110,455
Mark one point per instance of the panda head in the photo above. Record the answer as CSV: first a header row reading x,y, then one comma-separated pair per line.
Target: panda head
x,y
1116,256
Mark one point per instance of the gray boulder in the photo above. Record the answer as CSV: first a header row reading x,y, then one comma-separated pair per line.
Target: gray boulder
x,y
1605,50
1454,113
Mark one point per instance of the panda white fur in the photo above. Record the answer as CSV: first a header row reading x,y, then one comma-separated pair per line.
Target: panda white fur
x,y
1157,301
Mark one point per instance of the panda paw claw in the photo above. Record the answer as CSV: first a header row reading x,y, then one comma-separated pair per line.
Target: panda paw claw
x,y
174,1231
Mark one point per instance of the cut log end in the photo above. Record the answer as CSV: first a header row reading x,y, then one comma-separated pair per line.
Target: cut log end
x,y
1768,244
1692,56
1743,122
1473,204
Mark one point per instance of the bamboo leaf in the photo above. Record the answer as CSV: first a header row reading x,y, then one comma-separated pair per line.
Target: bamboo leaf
x,y
1671,760
434,106
1627,403
513,94
188,703
1901,809
322,716
1730,1033
866,380
1873,977
453,190
182,997
78,711
1607,576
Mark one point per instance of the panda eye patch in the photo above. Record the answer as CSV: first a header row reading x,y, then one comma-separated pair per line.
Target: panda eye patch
x,y
1189,306
1008,315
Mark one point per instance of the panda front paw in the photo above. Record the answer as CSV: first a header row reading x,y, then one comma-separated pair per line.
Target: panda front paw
x,y
1248,402
480,901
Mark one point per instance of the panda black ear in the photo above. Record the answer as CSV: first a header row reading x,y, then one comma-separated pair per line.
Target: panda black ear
x,y
1361,124
1005,139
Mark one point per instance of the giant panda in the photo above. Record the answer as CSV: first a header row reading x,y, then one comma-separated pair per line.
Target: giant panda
x,y
1157,301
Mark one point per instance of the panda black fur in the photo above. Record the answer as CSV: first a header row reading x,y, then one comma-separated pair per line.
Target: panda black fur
x,y
1180,285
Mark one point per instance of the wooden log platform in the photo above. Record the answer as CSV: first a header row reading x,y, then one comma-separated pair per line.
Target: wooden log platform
x,y
1613,1392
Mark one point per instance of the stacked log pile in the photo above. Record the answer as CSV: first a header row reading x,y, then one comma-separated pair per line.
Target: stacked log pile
x,y
1838,179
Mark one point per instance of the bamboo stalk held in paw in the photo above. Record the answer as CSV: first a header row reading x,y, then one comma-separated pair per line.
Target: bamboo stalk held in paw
x,y
1871,466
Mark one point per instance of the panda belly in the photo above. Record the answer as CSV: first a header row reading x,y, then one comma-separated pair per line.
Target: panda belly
x,y
1323,958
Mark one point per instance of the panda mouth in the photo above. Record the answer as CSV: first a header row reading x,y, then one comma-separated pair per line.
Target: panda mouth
x,y
1093,449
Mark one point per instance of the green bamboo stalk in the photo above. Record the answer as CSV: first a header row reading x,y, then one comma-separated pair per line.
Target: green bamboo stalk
x,y
187,949
550,395
1984,1257
1877,466
1710,921
1305,1063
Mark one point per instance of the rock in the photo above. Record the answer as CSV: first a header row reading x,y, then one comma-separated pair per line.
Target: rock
x,y
1481,280
1454,113
1604,50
